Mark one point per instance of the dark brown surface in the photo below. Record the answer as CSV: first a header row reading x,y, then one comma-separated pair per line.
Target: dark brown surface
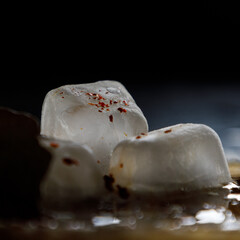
x,y
22,164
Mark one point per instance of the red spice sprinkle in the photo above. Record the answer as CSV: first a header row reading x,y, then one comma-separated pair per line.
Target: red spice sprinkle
x,y
121,165
111,118
168,131
93,104
122,110
110,102
107,109
107,105
69,161
137,137
98,161
115,102
62,97
143,134
54,145
99,97
100,110
102,104
96,96
125,103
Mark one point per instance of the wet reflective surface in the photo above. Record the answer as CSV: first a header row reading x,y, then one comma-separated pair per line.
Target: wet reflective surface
x,y
194,215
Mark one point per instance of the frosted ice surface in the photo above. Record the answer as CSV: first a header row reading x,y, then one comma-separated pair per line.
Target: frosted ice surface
x,y
180,157
73,173
99,114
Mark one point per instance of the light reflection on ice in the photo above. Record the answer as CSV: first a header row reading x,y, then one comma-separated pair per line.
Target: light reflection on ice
x,y
100,221
52,224
188,221
210,216
76,225
231,185
230,223
234,196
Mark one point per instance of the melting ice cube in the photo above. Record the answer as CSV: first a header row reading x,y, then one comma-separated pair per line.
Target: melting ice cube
x,y
99,114
184,156
73,173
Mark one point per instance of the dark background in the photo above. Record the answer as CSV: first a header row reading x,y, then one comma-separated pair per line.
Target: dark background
x,y
175,93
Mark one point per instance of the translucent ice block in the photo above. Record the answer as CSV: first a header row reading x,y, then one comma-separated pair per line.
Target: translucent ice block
x,y
73,173
99,114
180,157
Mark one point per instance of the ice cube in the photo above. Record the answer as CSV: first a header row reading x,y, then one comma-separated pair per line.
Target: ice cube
x,y
73,173
99,114
180,157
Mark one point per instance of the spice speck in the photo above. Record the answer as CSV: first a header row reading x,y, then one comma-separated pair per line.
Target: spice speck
x,y
69,161
111,118
54,145
122,110
168,131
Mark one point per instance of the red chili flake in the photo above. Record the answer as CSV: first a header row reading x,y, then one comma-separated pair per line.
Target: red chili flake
x,y
107,109
168,131
122,110
107,105
125,103
62,97
69,161
121,165
54,145
137,137
110,102
89,94
144,134
111,118
92,104
100,110
115,102
98,161
99,97
102,104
